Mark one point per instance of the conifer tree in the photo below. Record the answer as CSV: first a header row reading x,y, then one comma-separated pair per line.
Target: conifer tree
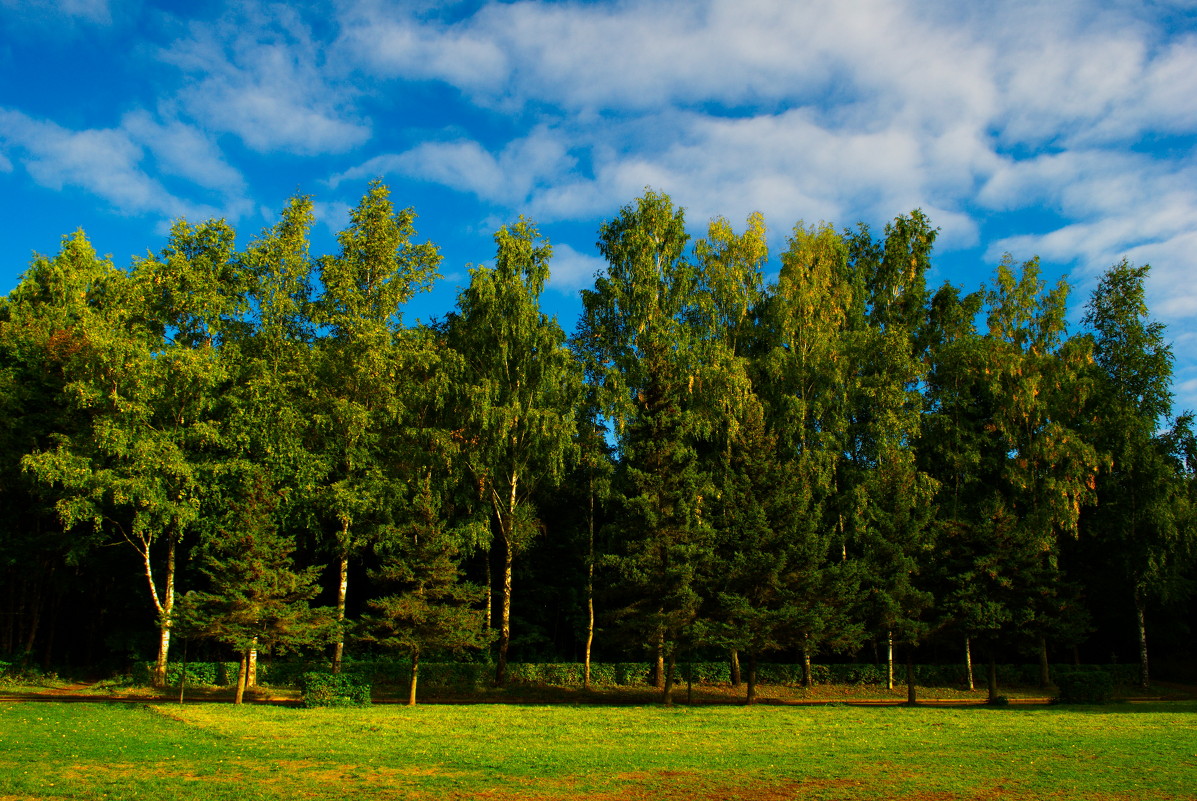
x,y
433,609
257,600
643,358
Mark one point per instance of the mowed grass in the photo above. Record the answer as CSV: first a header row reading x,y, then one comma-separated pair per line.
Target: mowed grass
x,y
209,751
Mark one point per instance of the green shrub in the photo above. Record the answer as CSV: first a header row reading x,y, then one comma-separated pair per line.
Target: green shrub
x,y
1085,686
328,689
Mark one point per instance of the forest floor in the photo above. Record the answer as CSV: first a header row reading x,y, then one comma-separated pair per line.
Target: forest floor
x,y
66,690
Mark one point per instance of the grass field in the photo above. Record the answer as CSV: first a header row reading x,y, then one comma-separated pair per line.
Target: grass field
x,y
208,751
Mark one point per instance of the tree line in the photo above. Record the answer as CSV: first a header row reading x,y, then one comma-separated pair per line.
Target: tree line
x,y
250,445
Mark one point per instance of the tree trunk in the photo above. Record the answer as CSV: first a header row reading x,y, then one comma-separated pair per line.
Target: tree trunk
x,y
342,591
34,614
183,673
968,662
735,668
1045,671
889,660
55,605
242,677
667,691
251,677
1141,617
659,669
807,679
165,607
505,613
991,678
415,674
690,678
751,697
911,693
589,593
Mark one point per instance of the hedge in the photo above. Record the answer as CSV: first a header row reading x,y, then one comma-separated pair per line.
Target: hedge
x,y
1094,686
334,689
468,677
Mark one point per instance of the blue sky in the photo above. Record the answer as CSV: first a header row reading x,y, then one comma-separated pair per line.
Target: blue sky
x,y
1066,130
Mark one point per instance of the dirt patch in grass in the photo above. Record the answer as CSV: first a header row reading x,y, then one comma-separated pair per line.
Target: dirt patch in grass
x,y
691,786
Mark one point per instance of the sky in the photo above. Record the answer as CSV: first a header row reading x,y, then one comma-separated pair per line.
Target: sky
x,y
1064,130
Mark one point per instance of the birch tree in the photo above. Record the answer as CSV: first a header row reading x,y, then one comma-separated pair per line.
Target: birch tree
x,y
643,358
378,270
1136,520
1037,468
520,388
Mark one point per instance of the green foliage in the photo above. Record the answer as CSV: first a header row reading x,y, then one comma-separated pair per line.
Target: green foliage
x,y
517,395
1084,686
781,469
258,599
210,674
334,690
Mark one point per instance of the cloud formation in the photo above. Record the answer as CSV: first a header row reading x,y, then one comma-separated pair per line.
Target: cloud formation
x,y
259,74
1067,130
829,110
110,163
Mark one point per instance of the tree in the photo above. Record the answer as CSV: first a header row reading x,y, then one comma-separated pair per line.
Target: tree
x,y
643,359
766,589
134,469
520,387
40,344
1037,471
884,497
1138,518
257,599
378,270
804,372
433,610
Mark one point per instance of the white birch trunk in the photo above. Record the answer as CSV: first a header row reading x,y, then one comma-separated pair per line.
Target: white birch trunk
x,y
342,591
889,660
164,605
968,662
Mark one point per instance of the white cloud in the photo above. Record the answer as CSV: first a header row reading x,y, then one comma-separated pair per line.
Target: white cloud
x,y
639,56
260,75
104,162
183,151
509,177
571,270
394,40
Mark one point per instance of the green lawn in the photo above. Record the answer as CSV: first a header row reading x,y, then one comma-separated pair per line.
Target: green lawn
x,y
209,751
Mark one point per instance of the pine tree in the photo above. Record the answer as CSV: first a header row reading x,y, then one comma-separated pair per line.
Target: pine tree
x,y
433,609
257,599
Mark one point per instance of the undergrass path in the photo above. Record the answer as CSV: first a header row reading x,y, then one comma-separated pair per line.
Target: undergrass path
x,y
164,751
